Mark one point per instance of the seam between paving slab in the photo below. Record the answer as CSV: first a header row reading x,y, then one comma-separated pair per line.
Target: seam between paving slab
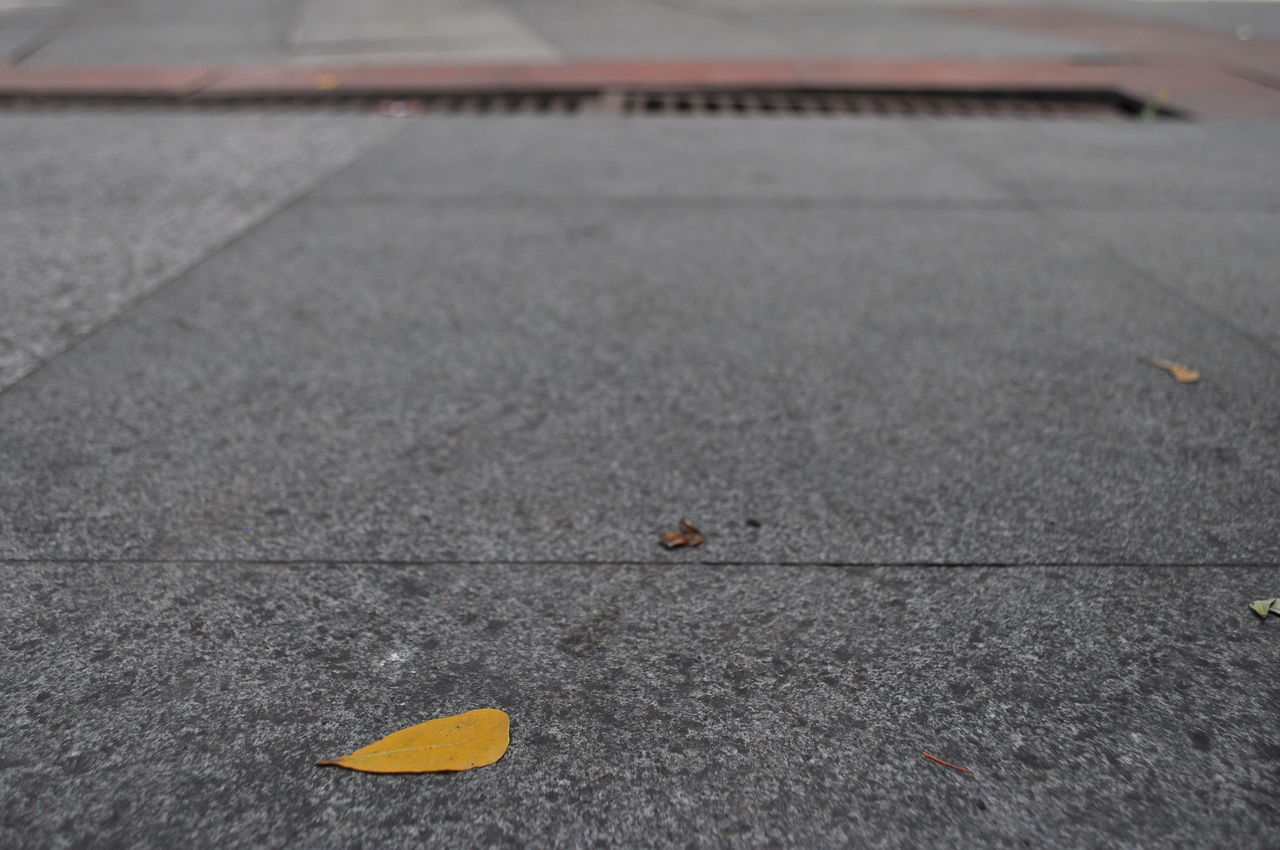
x,y
793,202
287,202
566,562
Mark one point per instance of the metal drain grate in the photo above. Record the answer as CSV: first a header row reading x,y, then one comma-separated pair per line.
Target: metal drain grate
x,y
1043,104
818,103
446,103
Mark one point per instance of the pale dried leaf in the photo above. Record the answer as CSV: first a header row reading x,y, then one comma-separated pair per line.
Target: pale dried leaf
x,y
1181,374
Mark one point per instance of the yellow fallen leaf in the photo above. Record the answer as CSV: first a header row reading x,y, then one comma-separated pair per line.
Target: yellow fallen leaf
x,y
467,740
1262,607
1181,374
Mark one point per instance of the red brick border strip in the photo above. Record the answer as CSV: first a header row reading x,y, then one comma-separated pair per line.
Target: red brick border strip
x,y
162,81
1198,89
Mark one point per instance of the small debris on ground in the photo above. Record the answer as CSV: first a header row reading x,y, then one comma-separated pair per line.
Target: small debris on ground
x,y
691,532
1263,607
1181,374
688,535
1152,109
754,522
947,763
674,539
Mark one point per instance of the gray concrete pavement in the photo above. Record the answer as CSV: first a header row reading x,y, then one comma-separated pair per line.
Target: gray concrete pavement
x,y
313,427
455,351
403,449
651,706
99,210
129,32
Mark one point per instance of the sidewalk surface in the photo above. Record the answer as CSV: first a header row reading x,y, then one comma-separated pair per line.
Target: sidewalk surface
x,y
314,426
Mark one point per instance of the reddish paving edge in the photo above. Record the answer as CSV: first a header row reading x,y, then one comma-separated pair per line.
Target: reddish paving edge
x,y
1196,88
167,81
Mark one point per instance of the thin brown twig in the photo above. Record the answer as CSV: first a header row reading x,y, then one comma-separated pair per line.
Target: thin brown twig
x,y
948,764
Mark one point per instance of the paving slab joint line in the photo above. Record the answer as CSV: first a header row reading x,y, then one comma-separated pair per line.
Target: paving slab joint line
x,y
286,203
675,563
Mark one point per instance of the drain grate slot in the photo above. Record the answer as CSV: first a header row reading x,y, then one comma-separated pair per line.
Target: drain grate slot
x,y
941,103
396,105
677,102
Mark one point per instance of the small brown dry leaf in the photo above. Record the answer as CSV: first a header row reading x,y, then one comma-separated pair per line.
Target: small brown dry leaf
x,y
691,533
1181,374
471,739
688,535
674,539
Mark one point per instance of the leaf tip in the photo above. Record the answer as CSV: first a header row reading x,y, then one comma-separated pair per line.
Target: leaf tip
x,y
1263,607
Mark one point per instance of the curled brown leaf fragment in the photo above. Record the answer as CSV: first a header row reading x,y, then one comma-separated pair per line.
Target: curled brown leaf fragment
x,y
674,539
688,535
1181,374
691,533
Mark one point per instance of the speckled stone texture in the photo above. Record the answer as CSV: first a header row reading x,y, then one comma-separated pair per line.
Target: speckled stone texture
x,y
404,449
98,210
886,367
163,705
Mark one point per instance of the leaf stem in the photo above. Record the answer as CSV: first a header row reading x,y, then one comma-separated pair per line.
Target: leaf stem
x,y
948,764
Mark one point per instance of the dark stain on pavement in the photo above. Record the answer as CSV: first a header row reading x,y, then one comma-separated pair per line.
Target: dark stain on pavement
x,y
592,635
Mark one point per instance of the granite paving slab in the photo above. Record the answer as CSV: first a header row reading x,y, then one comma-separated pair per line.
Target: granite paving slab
x,y
1121,165
440,29
635,161
526,379
148,705
99,210
1224,262
671,29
